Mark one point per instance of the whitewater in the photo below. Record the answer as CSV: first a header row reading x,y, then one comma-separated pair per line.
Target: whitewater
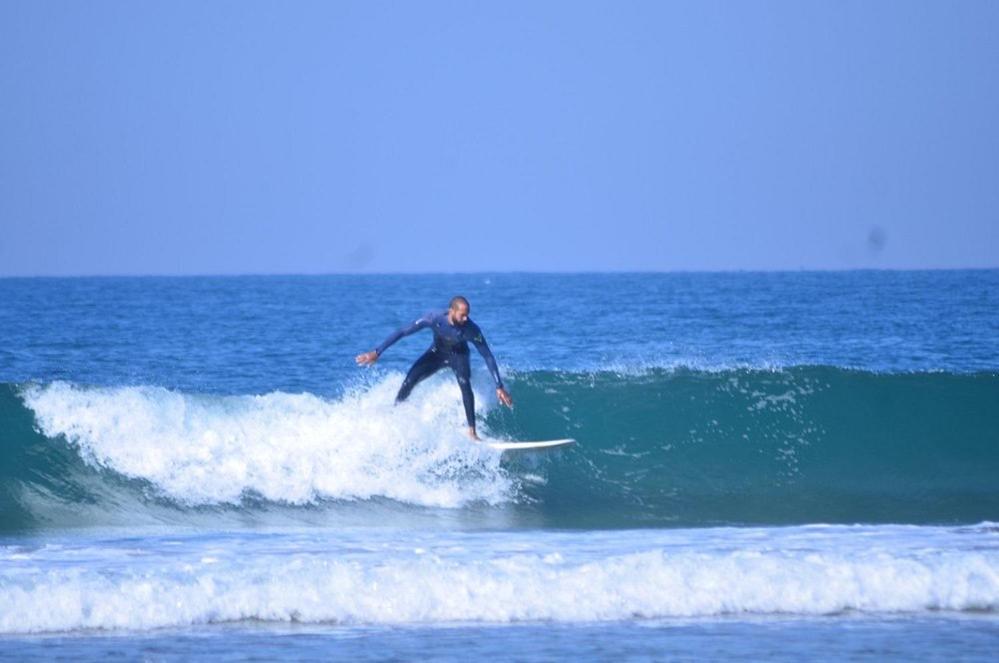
x,y
364,577
188,460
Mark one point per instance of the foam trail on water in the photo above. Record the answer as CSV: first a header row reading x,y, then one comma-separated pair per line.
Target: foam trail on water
x,y
577,579
293,448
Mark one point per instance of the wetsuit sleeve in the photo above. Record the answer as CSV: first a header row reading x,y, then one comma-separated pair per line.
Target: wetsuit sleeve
x,y
415,326
480,343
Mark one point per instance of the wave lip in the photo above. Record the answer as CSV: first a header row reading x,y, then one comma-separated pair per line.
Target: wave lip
x,y
288,448
496,580
657,449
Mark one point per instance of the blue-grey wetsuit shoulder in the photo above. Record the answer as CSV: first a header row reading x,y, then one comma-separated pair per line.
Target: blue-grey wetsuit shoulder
x,y
448,338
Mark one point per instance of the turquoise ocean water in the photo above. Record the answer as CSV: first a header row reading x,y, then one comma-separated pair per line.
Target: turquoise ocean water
x,y
769,465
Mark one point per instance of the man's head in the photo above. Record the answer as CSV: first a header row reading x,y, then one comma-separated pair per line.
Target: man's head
x,y
458,310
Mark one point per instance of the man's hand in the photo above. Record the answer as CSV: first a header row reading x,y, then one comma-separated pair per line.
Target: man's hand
x,y
366,358
504,397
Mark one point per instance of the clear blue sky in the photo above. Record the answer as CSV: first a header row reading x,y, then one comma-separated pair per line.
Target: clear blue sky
x,y
303,137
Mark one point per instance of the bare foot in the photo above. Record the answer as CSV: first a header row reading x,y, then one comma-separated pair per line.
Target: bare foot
x,y
471,434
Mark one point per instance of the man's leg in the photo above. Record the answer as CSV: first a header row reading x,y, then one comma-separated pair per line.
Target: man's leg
x,y
462,370
428,364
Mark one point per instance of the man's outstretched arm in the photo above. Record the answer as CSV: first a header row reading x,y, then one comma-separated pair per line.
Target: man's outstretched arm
x,y
480,344
415,326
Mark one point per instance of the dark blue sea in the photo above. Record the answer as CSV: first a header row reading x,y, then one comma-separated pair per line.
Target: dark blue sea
x,y
769,465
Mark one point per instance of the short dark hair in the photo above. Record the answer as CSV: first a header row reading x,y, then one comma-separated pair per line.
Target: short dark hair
x,y
458,299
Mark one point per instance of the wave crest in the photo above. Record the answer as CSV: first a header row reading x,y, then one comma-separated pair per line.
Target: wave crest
x,y
290,448
661,448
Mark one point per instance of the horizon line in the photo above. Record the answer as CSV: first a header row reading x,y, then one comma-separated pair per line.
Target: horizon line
x,y
801,270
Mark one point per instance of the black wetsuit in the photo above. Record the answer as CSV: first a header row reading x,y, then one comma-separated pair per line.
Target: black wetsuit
x,y
450,348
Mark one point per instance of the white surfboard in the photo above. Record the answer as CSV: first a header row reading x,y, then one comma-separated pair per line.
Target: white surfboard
x,y
505,445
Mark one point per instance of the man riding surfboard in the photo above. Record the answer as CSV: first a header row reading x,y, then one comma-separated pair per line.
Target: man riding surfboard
x,y
452,329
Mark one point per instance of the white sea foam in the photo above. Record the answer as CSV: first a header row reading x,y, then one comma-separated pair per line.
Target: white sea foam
x,y
294,448
567,582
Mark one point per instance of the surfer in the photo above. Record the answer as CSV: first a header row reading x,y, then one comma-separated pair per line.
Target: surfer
x,y
452,330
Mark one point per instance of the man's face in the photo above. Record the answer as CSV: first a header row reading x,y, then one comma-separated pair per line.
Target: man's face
x,y
459,314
